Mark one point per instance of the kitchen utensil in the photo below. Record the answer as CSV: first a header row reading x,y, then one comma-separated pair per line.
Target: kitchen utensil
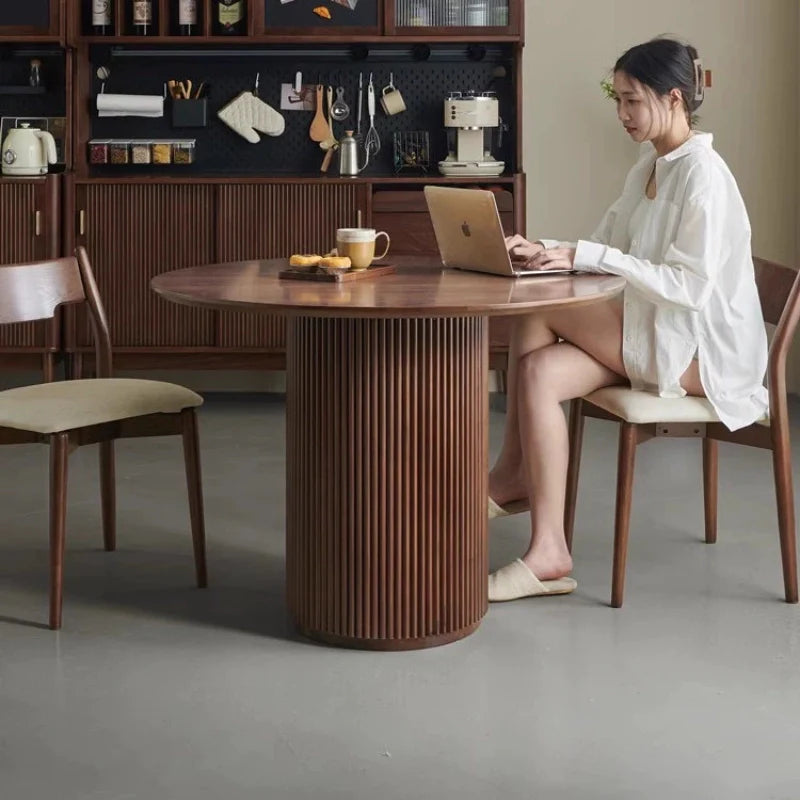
x,y
372,142
348,155
360,98
28,151
340,110
319,130
330,140
186,89
391,100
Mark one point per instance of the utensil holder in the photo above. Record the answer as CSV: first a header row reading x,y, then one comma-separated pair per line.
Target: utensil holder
x,y
190,113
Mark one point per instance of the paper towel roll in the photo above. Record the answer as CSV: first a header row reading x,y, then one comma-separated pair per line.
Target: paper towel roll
x,y
130,105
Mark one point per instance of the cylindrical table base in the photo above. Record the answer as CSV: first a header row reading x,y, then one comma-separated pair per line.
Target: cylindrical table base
x,y
387,451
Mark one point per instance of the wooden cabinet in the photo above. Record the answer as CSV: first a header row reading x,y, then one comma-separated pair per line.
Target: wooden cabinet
x,y
133,232
269,220
30,230
31,20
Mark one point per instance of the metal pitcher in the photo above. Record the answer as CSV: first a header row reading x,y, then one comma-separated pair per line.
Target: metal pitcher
x,y
348,155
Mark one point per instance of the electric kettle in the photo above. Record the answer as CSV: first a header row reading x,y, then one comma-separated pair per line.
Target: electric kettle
x,y
27,151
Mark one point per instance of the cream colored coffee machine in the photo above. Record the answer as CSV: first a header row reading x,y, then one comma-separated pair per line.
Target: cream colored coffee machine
x,y
469,115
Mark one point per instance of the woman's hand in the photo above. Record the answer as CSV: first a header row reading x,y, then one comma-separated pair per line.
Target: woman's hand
x,y
553,258
520,249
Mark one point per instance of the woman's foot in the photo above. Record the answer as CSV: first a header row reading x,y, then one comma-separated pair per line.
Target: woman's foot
x,y
548,561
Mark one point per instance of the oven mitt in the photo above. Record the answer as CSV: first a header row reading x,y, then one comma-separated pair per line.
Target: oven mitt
x,y
246,114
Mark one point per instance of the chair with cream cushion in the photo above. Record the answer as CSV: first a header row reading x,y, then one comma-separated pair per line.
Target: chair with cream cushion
x,y
68,414
643,416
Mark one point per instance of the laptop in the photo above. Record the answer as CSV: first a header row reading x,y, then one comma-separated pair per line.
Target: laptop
x,y
470,235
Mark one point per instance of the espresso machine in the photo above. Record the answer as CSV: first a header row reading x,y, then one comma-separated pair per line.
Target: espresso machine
x,y
468,115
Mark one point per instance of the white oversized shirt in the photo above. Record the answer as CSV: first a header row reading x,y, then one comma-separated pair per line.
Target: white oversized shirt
x,y
690,282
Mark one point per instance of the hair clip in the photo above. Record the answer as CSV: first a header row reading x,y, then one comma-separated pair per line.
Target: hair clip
x,y
699,79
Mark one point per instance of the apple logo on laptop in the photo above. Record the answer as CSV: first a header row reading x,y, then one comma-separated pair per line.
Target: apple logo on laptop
x,y
465,230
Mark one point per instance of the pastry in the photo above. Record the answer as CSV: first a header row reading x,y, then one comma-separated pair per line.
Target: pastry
x,y
338,262
323,12
304,260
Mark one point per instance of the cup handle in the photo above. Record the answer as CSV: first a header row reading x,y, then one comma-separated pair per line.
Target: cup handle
x,y
388,88
388,242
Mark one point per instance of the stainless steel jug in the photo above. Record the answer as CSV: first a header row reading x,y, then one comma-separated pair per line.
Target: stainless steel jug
x,y
348,155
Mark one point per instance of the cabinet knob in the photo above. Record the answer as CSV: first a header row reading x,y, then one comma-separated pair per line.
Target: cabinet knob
x,y
82,222
37,223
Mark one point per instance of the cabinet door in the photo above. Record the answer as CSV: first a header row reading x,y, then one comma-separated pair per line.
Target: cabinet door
x,y
344,18
28,232
30,19
274,220
133,232
456,18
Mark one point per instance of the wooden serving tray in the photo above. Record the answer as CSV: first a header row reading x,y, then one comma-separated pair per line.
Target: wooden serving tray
x,y
311,274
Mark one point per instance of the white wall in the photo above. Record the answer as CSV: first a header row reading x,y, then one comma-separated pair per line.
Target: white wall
x,y
576,154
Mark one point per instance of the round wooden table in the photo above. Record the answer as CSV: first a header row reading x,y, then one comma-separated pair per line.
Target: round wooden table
x,y
386,437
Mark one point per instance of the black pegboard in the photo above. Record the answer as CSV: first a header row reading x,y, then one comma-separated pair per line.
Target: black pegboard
x,y
424,85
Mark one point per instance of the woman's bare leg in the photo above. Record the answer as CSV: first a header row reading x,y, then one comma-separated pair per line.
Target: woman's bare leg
x,y
546,378
596,328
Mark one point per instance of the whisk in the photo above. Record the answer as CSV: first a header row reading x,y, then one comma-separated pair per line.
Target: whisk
x,y
372,142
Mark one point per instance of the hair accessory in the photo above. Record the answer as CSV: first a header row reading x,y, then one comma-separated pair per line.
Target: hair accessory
x,y
699,79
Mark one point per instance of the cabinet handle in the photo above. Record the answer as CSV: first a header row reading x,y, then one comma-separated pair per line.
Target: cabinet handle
x,y
82,222
37,223
358,218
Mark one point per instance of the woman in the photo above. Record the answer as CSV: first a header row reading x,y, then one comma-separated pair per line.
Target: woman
x,y
689,321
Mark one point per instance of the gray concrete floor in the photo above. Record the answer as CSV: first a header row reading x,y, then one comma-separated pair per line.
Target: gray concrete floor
x,y
154,690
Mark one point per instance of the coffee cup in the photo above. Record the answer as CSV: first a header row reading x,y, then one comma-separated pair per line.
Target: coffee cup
x,y
391,100
358,244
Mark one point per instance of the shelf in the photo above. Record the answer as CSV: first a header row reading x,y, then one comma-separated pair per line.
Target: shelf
x,y
22,90
299,39
397,180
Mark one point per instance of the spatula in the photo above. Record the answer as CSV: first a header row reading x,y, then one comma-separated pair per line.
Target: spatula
x,y
319,130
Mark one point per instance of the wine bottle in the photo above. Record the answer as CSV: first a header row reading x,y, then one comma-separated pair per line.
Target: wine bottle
x,y
230,17
101,17
187,17
142,16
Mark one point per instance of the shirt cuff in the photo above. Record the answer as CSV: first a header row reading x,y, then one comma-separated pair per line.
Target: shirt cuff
x,y
589,256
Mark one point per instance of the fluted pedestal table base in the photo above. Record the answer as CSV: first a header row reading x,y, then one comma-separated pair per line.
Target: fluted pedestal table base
x,y
387,451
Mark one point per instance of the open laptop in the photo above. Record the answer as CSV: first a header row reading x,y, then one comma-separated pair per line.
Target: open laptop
x,y
470,235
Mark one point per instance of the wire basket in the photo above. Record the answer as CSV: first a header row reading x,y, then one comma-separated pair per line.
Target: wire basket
x,y
411,151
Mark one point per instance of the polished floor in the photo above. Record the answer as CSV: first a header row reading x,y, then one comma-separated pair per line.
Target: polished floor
x,y
154,690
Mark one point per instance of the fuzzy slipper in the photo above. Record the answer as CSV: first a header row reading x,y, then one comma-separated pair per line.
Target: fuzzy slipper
x,y
515,580
514,507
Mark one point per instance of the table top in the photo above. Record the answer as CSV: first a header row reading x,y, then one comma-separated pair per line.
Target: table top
x,y
417,289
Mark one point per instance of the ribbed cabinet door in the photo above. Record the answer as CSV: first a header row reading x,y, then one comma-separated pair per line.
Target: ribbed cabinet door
x,y
134,232
274,221
18,243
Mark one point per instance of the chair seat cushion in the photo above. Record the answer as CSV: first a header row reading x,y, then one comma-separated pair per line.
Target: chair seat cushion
x,y
65,405
641,407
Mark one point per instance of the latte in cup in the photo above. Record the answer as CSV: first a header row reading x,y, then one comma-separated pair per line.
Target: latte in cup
x,y
358,244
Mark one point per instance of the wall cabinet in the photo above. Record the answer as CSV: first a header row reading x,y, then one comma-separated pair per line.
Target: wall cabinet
x,y
32,20
30,230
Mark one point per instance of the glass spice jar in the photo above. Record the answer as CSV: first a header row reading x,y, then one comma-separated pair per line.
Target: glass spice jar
x,y
98,151
119,152
162,152
183,152
140,152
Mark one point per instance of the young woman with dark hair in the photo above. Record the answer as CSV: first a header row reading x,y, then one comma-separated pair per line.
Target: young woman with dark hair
x,y
689,320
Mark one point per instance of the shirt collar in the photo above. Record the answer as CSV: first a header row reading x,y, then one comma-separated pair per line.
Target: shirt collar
x,y
697,141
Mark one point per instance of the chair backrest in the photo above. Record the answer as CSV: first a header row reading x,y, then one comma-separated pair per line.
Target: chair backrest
x,y
30,292
779,293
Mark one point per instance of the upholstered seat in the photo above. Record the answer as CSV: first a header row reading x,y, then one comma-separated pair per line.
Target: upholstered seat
x,y
64,406
642,408
643,416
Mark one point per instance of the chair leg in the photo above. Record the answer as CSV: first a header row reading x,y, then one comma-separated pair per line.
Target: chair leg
x,y
191,455
782,467
108,495
710,484
625,464
59,456
573,468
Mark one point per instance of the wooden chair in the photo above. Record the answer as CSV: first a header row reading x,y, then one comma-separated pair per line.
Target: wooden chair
x,y
68,414
643,416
